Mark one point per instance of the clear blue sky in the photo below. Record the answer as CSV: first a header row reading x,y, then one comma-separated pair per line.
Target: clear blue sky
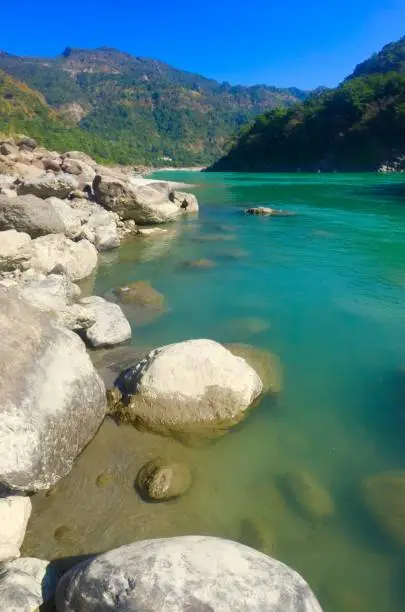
x,y
289,42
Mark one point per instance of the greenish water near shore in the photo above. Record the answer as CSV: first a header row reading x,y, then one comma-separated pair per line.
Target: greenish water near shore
x,y
325,291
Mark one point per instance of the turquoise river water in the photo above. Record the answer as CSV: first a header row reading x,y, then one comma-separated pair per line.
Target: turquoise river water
x,y
325,291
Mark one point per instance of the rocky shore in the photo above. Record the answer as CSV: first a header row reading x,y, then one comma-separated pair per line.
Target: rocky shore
x,y
57,213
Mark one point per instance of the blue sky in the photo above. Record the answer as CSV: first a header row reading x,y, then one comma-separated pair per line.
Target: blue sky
x,y
284,43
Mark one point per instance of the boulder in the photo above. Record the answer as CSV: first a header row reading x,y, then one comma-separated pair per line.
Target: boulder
x,y
111,326
192,573
26,584
56,253
69,217
50,185
51,294
15,250
144,204
15,511
52,163
28,143
384,497
159,480
195,387
81,157
29,214
52,400
187,202
140,293
199,264
7,148
101,230
310,497
71,166
266,211
28,172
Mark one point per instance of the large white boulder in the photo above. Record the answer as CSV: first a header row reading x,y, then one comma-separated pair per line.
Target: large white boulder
x,y
68,216
144,204
197,386
15,510
29,214
181,575
52,293
51,399
26,584
56,253
110,324
57,185
15,250
101,230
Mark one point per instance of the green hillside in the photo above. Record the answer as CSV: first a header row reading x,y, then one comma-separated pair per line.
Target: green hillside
x,y
358,126
149,111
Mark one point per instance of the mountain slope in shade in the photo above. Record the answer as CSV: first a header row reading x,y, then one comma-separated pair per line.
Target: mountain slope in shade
x,y
150,110
357,126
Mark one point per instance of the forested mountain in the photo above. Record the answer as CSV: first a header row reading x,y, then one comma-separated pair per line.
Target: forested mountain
x,y
144,110
359,125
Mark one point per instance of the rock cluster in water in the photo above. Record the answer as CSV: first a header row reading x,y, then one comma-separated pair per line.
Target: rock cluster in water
x,y
57,212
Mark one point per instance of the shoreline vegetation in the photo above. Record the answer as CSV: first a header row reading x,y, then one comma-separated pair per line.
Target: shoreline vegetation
x,y
57,213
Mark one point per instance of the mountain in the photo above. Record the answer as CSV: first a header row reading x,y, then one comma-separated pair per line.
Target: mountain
x,y
358,126
148,111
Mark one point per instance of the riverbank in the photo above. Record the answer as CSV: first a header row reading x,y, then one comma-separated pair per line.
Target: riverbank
x,y
60,216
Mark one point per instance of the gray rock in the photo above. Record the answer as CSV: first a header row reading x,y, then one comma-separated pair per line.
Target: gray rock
x,y
15,250
26,584
193,573
51,399
52,163
144,204
51,294
29,214
56,253
69,217
28,143
15,511
7,148
160,480
71,166
310,497
27,171
50,185
81,157
111,326
195,387
187,202
101,230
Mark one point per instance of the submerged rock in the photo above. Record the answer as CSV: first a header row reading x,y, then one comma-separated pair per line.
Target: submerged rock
x,y
265,363
159,480
256,533
140,293
267,211
384,497
310,497
196,387
15,511
52,400
26,584
200,264
184,574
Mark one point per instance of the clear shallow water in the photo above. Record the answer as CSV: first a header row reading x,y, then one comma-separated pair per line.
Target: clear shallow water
x,y
323,290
